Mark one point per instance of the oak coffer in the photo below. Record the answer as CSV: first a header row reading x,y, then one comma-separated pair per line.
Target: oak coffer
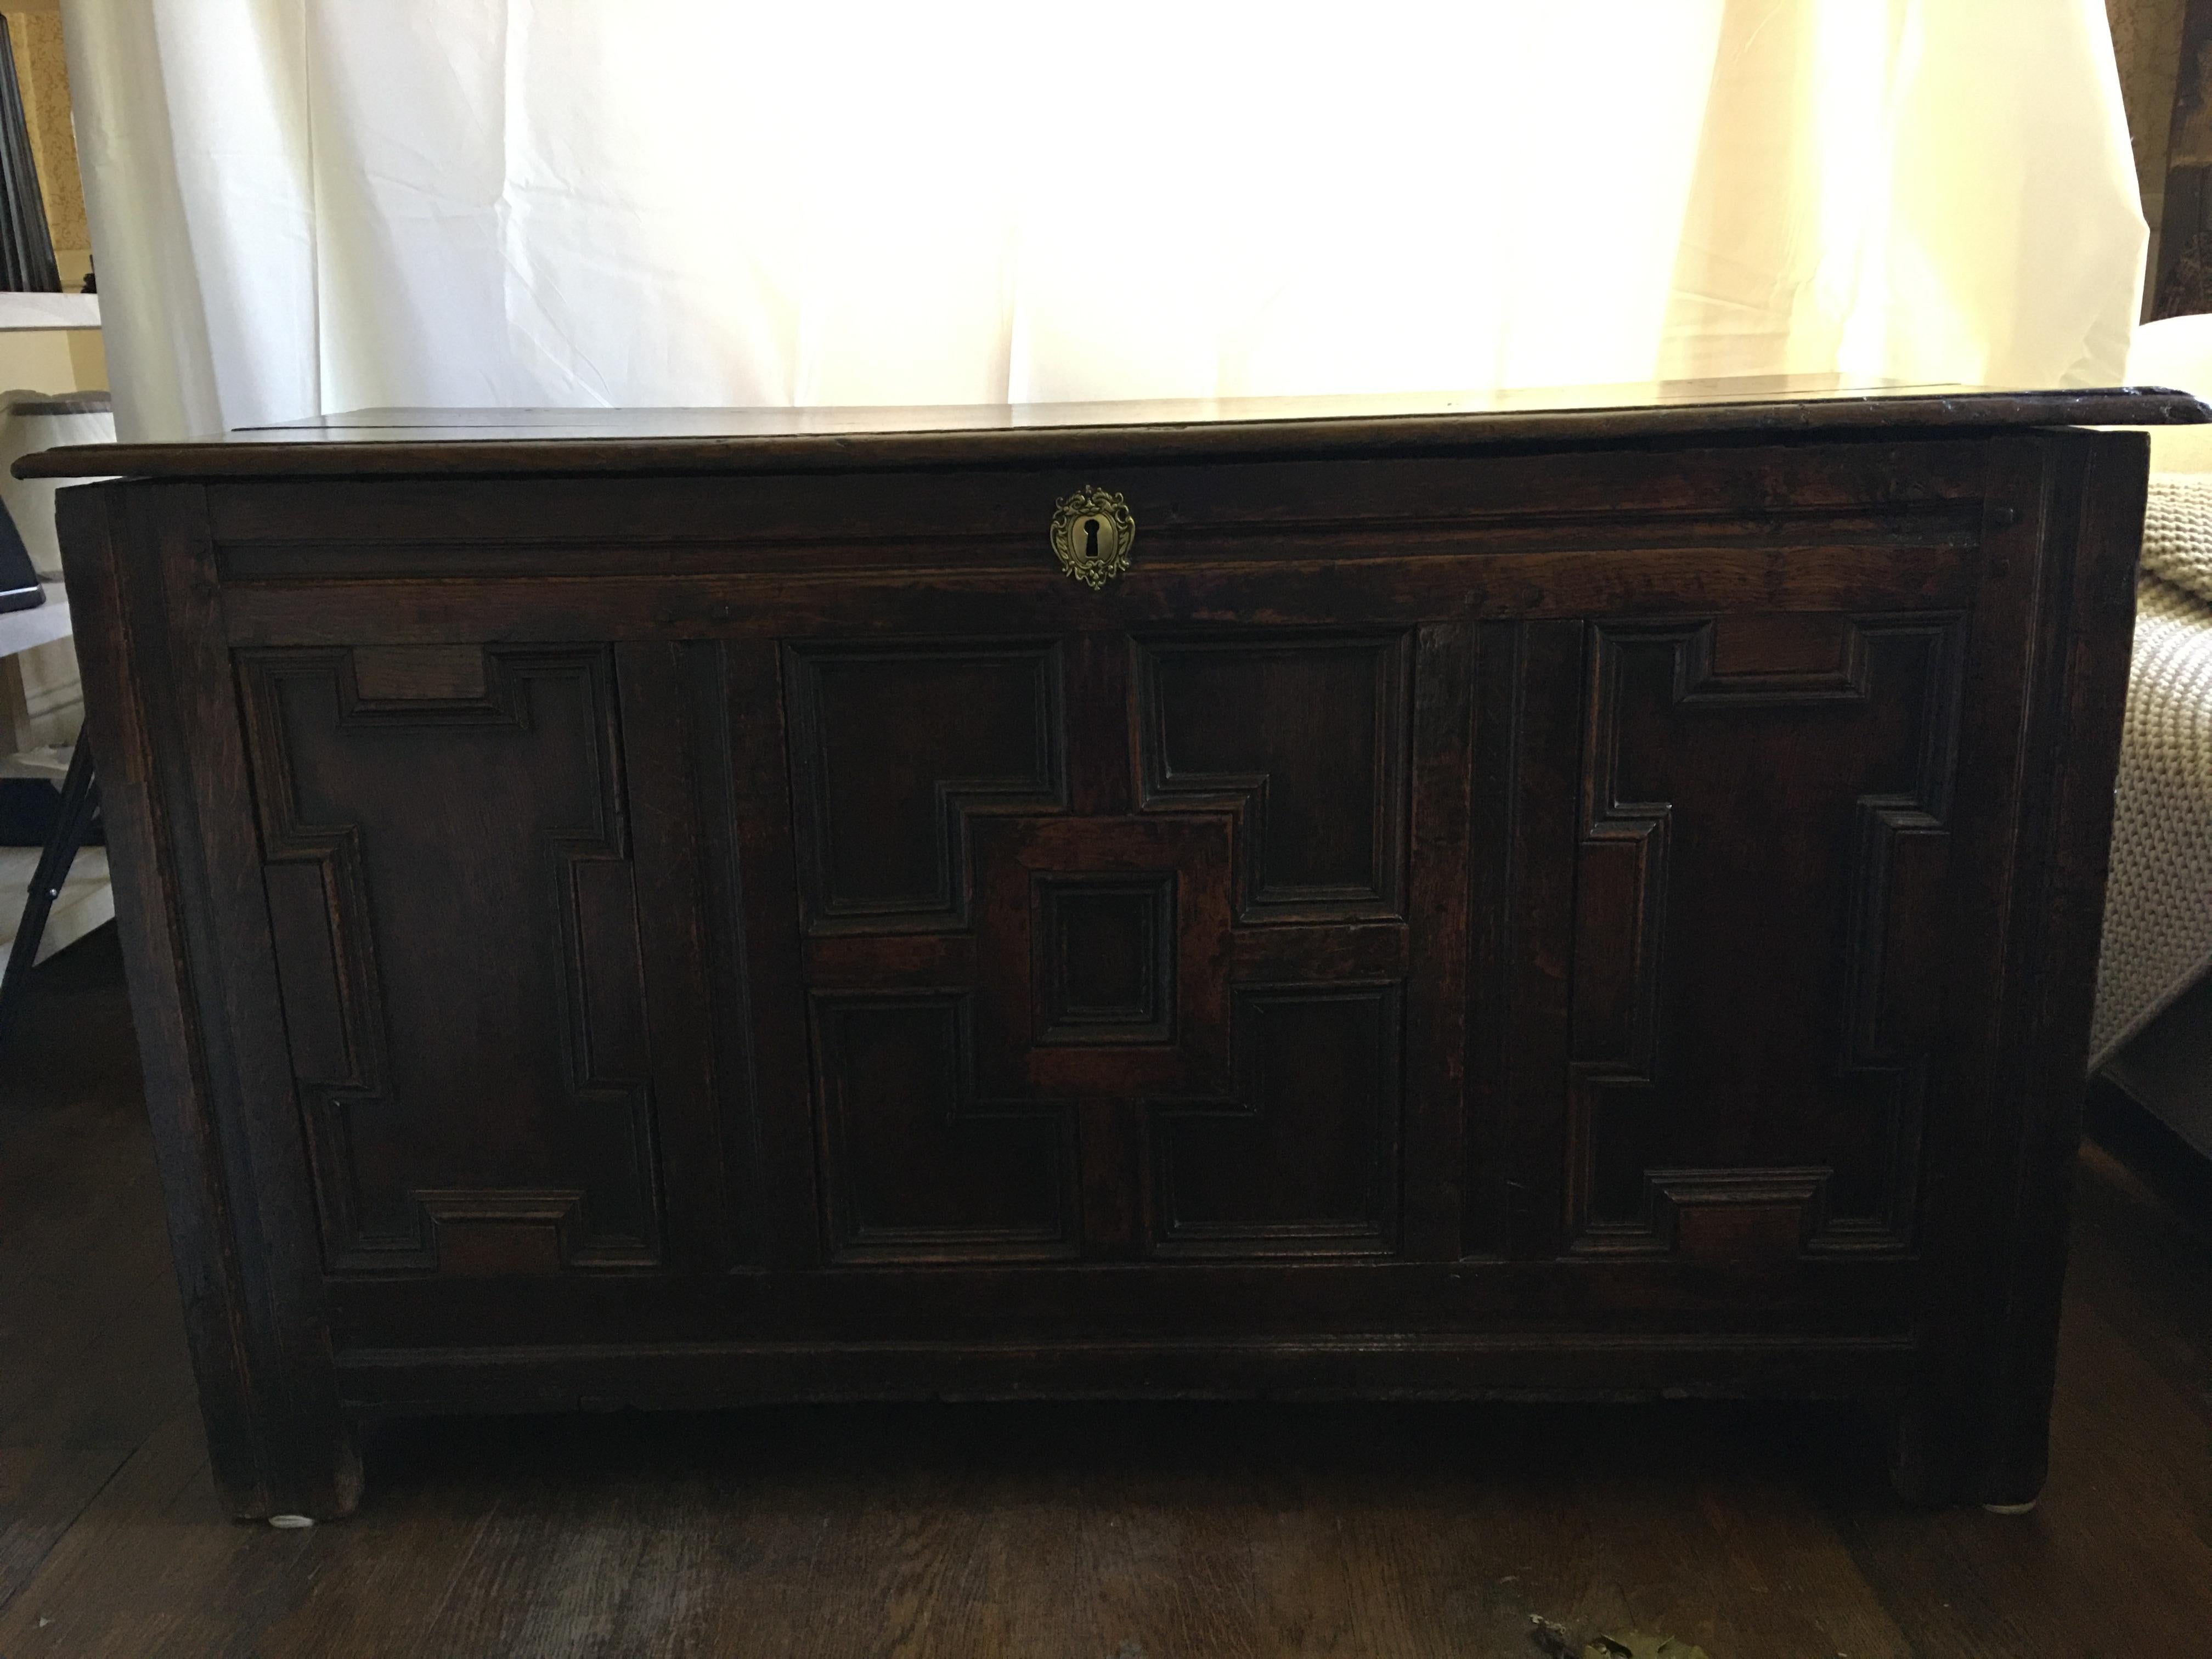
x,y
1362,897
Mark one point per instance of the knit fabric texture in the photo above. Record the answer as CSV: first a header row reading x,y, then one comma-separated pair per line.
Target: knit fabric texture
x,y
2158,905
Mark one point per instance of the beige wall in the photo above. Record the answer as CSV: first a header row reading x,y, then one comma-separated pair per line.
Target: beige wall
x,y
42,72
41,701
56,361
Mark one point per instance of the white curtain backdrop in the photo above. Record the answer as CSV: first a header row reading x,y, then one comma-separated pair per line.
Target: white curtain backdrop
x,y
305,206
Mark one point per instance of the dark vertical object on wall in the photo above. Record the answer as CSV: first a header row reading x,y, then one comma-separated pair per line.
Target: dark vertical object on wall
x,y
27,244
2184,284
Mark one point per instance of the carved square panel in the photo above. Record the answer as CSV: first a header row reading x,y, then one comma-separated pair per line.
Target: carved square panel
x,y
893,749
921,1165
1300,1158
1102,951
1304,738
1161,1019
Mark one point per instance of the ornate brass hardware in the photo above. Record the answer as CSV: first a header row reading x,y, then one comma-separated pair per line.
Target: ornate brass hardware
x,y
1092,532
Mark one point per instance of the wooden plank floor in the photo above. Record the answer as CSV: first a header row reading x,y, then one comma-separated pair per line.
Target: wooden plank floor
x,y
1103,1532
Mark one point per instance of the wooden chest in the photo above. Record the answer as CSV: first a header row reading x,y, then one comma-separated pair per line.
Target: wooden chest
x,y
701,908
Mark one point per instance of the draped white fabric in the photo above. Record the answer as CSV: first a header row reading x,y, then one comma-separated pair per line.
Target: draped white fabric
x,y
303,206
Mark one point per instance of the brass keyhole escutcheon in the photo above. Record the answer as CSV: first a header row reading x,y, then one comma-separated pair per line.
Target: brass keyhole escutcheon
x,y
1092,532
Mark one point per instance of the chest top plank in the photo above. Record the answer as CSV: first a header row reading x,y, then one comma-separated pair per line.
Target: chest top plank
x,y
428,442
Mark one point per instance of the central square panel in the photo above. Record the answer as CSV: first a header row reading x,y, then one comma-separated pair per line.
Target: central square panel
x,y
1102,954
1102,957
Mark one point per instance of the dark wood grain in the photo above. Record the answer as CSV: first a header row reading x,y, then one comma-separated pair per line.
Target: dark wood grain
x,y
2050,661
756,988
240,1217
1529,761
1461,917
419,442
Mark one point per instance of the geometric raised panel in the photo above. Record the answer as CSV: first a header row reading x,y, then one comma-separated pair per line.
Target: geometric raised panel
x,y
1301,1158
510,1128
1142,1031
892,749
1305,739
1765,824
1733,1219
1150,895
917,1168
504,1232
1102,949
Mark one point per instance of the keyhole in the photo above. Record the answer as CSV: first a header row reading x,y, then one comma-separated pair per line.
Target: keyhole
x,y
1091,538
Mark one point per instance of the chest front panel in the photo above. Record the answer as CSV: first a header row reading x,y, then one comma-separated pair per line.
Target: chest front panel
x,y
1315,900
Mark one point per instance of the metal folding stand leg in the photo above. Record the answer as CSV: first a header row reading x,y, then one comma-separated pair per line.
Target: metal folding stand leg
x,y
80,802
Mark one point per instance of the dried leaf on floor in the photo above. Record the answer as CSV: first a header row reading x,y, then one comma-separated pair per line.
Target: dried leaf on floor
x,y
1641,1644
1557,1641
1552,1638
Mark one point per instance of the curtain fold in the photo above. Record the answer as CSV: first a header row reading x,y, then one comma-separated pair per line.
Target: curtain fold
x,y
305,206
